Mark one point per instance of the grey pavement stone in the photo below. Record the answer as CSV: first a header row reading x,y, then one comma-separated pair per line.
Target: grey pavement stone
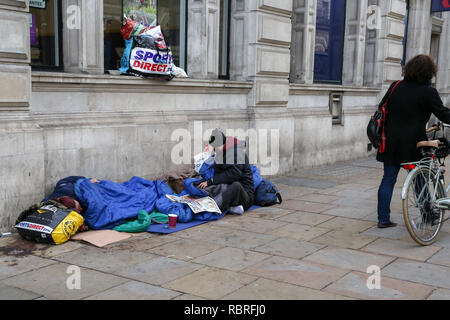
x,y
396,233
306,218
143,244
446,226
352,194
227,237
289,248
419,272
264,289
340,170
299,232
11,265
231,259
395,217
403,249
356,203
306,206
349,212
442,257
305,182
158,270
249,224
369,162
185,249
292,193
51,282
133,290
348,259
206,232
440,294
210,283
103,259
351,186
242,239
296,272
344,239
186,296
443,240
11,293
346,224
354,284
271,213
16,246
316,197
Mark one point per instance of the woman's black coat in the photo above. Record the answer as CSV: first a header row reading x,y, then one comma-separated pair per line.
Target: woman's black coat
x,y
409,109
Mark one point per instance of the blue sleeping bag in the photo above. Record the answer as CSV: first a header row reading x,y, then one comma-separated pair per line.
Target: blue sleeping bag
x,y
110,204
184,213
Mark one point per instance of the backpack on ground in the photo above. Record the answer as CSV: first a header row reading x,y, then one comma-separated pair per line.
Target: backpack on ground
x,y
267,194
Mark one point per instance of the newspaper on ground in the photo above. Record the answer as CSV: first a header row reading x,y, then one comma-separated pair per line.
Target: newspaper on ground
x,y
197,205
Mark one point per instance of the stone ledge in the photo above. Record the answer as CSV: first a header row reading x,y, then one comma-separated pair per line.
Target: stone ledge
x,y
14,3
102,119
299,89
53,81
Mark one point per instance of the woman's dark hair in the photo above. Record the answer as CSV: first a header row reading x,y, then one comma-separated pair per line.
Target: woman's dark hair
x,y
420,69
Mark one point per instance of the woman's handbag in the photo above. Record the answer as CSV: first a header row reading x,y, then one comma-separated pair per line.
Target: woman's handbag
x,y
375,128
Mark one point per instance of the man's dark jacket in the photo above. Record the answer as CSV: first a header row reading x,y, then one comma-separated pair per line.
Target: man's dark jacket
x,y
409,109
232,165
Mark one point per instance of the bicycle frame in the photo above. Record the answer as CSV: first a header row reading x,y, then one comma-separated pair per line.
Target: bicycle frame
x,y
431,164
434,166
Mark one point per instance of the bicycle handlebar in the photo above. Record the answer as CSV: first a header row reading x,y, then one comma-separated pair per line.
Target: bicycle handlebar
x,y
437,127
433,128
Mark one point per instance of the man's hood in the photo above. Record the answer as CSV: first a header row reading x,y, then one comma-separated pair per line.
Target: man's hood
x,y
231,142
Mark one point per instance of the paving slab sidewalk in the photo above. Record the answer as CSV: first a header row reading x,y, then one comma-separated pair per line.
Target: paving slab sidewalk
x,y
320,243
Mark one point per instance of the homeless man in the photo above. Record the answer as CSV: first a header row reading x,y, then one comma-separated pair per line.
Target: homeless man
x,y
233,177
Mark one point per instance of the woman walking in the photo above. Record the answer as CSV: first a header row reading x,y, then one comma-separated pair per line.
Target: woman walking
x,y
410,106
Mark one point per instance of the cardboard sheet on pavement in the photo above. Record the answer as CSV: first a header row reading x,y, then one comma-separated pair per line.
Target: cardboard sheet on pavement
x,y
101,238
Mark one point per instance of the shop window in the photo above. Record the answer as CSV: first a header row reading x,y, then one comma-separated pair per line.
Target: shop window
x,y
224,39
170,14
405,37
329,43
46,34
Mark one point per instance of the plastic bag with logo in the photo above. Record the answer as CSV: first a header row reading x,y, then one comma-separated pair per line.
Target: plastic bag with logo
x,y
48,222
147,59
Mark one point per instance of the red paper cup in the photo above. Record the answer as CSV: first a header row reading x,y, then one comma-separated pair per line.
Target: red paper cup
x,y
172,220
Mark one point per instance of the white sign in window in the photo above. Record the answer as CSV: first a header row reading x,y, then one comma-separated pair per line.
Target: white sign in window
x,y
37,4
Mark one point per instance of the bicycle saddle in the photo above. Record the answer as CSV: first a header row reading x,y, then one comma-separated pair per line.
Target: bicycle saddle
x,y
432,143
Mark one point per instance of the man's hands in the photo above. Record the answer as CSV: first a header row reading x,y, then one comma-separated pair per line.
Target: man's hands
x,y
203,185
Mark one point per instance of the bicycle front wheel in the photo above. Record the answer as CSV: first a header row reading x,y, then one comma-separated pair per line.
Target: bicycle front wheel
x,y
422,219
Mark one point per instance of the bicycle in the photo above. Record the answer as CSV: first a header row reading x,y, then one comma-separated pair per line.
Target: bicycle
x,y
424,195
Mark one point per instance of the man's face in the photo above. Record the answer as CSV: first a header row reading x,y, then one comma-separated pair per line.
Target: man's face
x,y
78,207
220,149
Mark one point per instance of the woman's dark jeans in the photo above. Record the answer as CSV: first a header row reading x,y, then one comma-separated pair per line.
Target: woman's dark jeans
x,y
385,192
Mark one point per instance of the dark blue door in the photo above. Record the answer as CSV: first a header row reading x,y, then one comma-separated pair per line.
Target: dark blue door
x,y
329,45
